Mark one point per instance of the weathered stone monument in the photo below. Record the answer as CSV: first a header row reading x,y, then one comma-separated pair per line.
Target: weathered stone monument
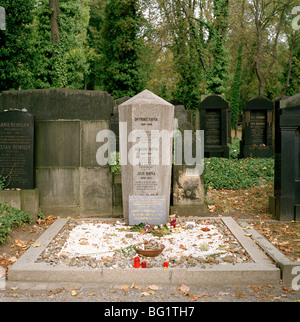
x,y
187,179
17,149
285,204
146,137
214,121
257,129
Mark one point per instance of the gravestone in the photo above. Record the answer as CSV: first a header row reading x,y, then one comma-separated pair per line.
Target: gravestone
x,y
187,183
257,129
145,158
285,204
214,121
17,149
114,121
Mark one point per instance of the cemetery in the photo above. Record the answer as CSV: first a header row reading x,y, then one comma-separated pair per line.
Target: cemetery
x,y
148,147
157,205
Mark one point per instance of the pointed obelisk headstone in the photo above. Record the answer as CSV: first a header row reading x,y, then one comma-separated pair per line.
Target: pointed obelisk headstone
x,y
146,137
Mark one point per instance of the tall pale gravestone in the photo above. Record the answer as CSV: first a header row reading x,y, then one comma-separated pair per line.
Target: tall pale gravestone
x,y
146,130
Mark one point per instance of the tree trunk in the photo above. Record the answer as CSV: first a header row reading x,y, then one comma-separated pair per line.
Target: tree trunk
x,y
54,6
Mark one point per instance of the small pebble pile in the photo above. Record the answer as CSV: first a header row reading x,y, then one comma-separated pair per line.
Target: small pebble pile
x,y
102,244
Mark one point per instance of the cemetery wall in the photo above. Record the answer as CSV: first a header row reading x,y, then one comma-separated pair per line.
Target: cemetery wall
x,y
67,176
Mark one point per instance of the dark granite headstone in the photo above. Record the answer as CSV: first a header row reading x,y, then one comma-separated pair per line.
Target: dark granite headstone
x,y
257,129
17,149
214,122
285,204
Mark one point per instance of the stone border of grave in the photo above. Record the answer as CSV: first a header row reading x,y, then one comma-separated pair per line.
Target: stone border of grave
x,y
26,273
284,263
2,278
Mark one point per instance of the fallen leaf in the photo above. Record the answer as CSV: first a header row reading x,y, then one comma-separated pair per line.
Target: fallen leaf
x,y
223,293
145,294
182,247
124,288
74,293
184,289
134,286
113,291
14,288
153,287
35,245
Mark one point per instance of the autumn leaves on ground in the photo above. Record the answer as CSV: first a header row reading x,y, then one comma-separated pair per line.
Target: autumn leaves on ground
x,y
253,204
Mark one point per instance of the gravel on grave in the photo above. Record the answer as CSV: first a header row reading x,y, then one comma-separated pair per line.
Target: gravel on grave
x,y
103,244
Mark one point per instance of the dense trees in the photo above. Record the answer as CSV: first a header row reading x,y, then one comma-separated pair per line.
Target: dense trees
x,y
15,47
180,49
121,47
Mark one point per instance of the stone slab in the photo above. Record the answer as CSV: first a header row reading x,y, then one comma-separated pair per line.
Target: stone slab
x,y
287,267
58,104
2,278
25,273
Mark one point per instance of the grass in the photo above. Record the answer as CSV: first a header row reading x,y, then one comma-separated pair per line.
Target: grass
x,y
11,217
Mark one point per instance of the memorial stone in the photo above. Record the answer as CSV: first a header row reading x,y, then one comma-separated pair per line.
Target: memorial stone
x,y
214,121
146,181
17,149
257,129
286,199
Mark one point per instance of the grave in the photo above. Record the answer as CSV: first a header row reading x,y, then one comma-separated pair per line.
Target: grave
x,y
17,149
214,121
285,204
146,158
257,129
187,182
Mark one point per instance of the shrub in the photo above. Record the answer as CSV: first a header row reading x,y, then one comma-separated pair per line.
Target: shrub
x,y
11,217
235,174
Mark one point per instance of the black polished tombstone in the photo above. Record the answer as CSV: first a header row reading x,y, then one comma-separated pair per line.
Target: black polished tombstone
x,y
17,149
214,121
257,129
290,158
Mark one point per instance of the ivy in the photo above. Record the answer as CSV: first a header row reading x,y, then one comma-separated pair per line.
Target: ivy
x,y
121,47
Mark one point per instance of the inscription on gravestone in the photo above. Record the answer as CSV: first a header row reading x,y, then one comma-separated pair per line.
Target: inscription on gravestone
x,y
213,127
145,173
147,209
258,127
147,121
17,149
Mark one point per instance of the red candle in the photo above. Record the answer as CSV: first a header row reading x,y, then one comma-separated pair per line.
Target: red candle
x,y
144,265
136,262
166,265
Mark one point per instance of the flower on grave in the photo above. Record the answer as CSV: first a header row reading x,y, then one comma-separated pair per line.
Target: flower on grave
x,y
173,222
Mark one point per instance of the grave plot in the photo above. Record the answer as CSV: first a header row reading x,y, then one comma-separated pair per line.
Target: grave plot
x,y
97,243
199,251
